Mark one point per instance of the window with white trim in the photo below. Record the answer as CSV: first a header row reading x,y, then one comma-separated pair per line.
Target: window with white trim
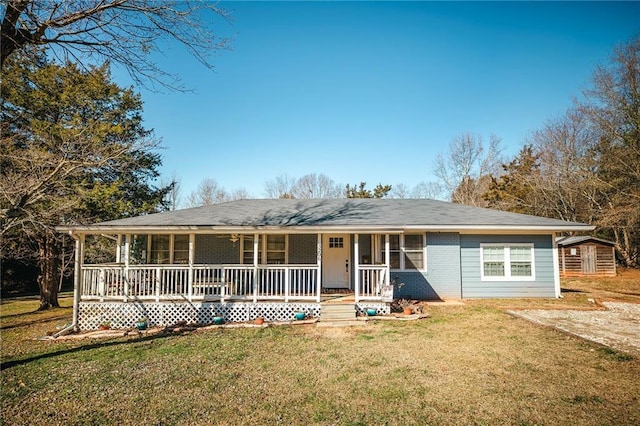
x,y
247,249
272,247
414,251
181,249
507,262
159,249
406,252
168,249
276,249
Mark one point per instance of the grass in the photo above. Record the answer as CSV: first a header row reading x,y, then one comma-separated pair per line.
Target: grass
x,y
469,364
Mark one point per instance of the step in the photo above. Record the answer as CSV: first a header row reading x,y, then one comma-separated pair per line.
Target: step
x,y
344,312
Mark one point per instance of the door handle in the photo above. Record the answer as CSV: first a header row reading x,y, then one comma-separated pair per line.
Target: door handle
x,y
346,265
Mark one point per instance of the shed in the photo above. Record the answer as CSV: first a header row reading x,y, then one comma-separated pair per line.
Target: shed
x,y
586,256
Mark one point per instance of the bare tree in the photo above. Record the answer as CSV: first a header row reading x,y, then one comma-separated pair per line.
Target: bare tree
x,y
399,190
239,194
307,186
316,186
280,187
612,104
208,192
174,196
564,183
432,190
465,168
125,32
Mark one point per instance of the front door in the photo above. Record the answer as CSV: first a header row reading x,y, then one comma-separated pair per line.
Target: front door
x,y
336,263
588,255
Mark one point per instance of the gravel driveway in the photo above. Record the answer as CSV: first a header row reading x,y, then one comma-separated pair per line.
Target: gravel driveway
x,y
617,327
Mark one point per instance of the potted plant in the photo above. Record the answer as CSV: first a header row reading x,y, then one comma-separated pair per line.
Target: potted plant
x,y
371,312
300,315
218,320
142,323
259,320
104,325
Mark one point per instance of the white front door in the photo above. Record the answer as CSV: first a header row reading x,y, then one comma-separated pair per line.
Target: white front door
x,y
336,262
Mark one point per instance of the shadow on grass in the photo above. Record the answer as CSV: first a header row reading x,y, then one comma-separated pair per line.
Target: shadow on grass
x,y
14,363
38,321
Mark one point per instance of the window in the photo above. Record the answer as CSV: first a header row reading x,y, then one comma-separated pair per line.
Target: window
x,y
413,251
507,261
247,250
394,251
159,252
181,249
336,242
412,248
276,249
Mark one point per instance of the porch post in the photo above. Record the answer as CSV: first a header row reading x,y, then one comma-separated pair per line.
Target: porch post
x,y
192,257
119,249
356,267
319,262
77,277
256,248
127,247
387,261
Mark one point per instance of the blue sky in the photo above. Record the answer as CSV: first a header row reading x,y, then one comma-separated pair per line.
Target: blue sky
x,y
373,91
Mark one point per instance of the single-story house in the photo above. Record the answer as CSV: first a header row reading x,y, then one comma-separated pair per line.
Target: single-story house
x,y
249,258
586,256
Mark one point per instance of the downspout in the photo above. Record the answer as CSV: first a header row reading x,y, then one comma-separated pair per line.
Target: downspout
x,y
76,287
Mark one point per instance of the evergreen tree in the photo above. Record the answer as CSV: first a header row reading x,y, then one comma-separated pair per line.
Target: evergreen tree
x,y
73,150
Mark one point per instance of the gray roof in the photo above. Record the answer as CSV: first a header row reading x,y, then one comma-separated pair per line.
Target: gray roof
x,y
579,239
345,213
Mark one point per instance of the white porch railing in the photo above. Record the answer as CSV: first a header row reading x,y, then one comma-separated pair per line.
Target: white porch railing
x,y
201,282
370,281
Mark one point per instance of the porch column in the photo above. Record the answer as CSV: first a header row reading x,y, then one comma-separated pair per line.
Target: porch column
x,y
387,261
77,277
319,263
192,257
127,247
119,249
356,267
256,248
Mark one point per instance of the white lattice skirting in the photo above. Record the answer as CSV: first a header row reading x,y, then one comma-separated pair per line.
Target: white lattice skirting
x,y
381,308
125,314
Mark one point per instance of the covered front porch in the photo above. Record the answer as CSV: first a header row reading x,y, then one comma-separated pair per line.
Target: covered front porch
x,y
236,267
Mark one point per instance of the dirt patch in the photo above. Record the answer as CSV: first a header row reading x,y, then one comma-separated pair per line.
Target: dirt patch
x,y
618,326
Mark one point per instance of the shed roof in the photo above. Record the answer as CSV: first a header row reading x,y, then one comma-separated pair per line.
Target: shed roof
x,y
336,213
581,239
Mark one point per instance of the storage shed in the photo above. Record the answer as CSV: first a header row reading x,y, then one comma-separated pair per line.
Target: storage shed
x,y
586,256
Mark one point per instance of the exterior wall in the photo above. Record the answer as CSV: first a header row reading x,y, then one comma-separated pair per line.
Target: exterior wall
x,y
302,249
474,287
441,279
571,265
216,249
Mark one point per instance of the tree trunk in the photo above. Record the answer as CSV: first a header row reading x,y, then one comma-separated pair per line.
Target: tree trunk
x,y
49,262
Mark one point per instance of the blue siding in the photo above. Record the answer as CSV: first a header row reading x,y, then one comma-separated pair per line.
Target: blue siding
x,y
442,278
473,287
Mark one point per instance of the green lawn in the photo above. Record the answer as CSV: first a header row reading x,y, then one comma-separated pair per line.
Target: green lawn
x,y
470,364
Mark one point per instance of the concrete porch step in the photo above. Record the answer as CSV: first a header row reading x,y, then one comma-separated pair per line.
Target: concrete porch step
x,y
342,312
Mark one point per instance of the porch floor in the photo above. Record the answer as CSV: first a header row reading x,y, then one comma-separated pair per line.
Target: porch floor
x,y
337,299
